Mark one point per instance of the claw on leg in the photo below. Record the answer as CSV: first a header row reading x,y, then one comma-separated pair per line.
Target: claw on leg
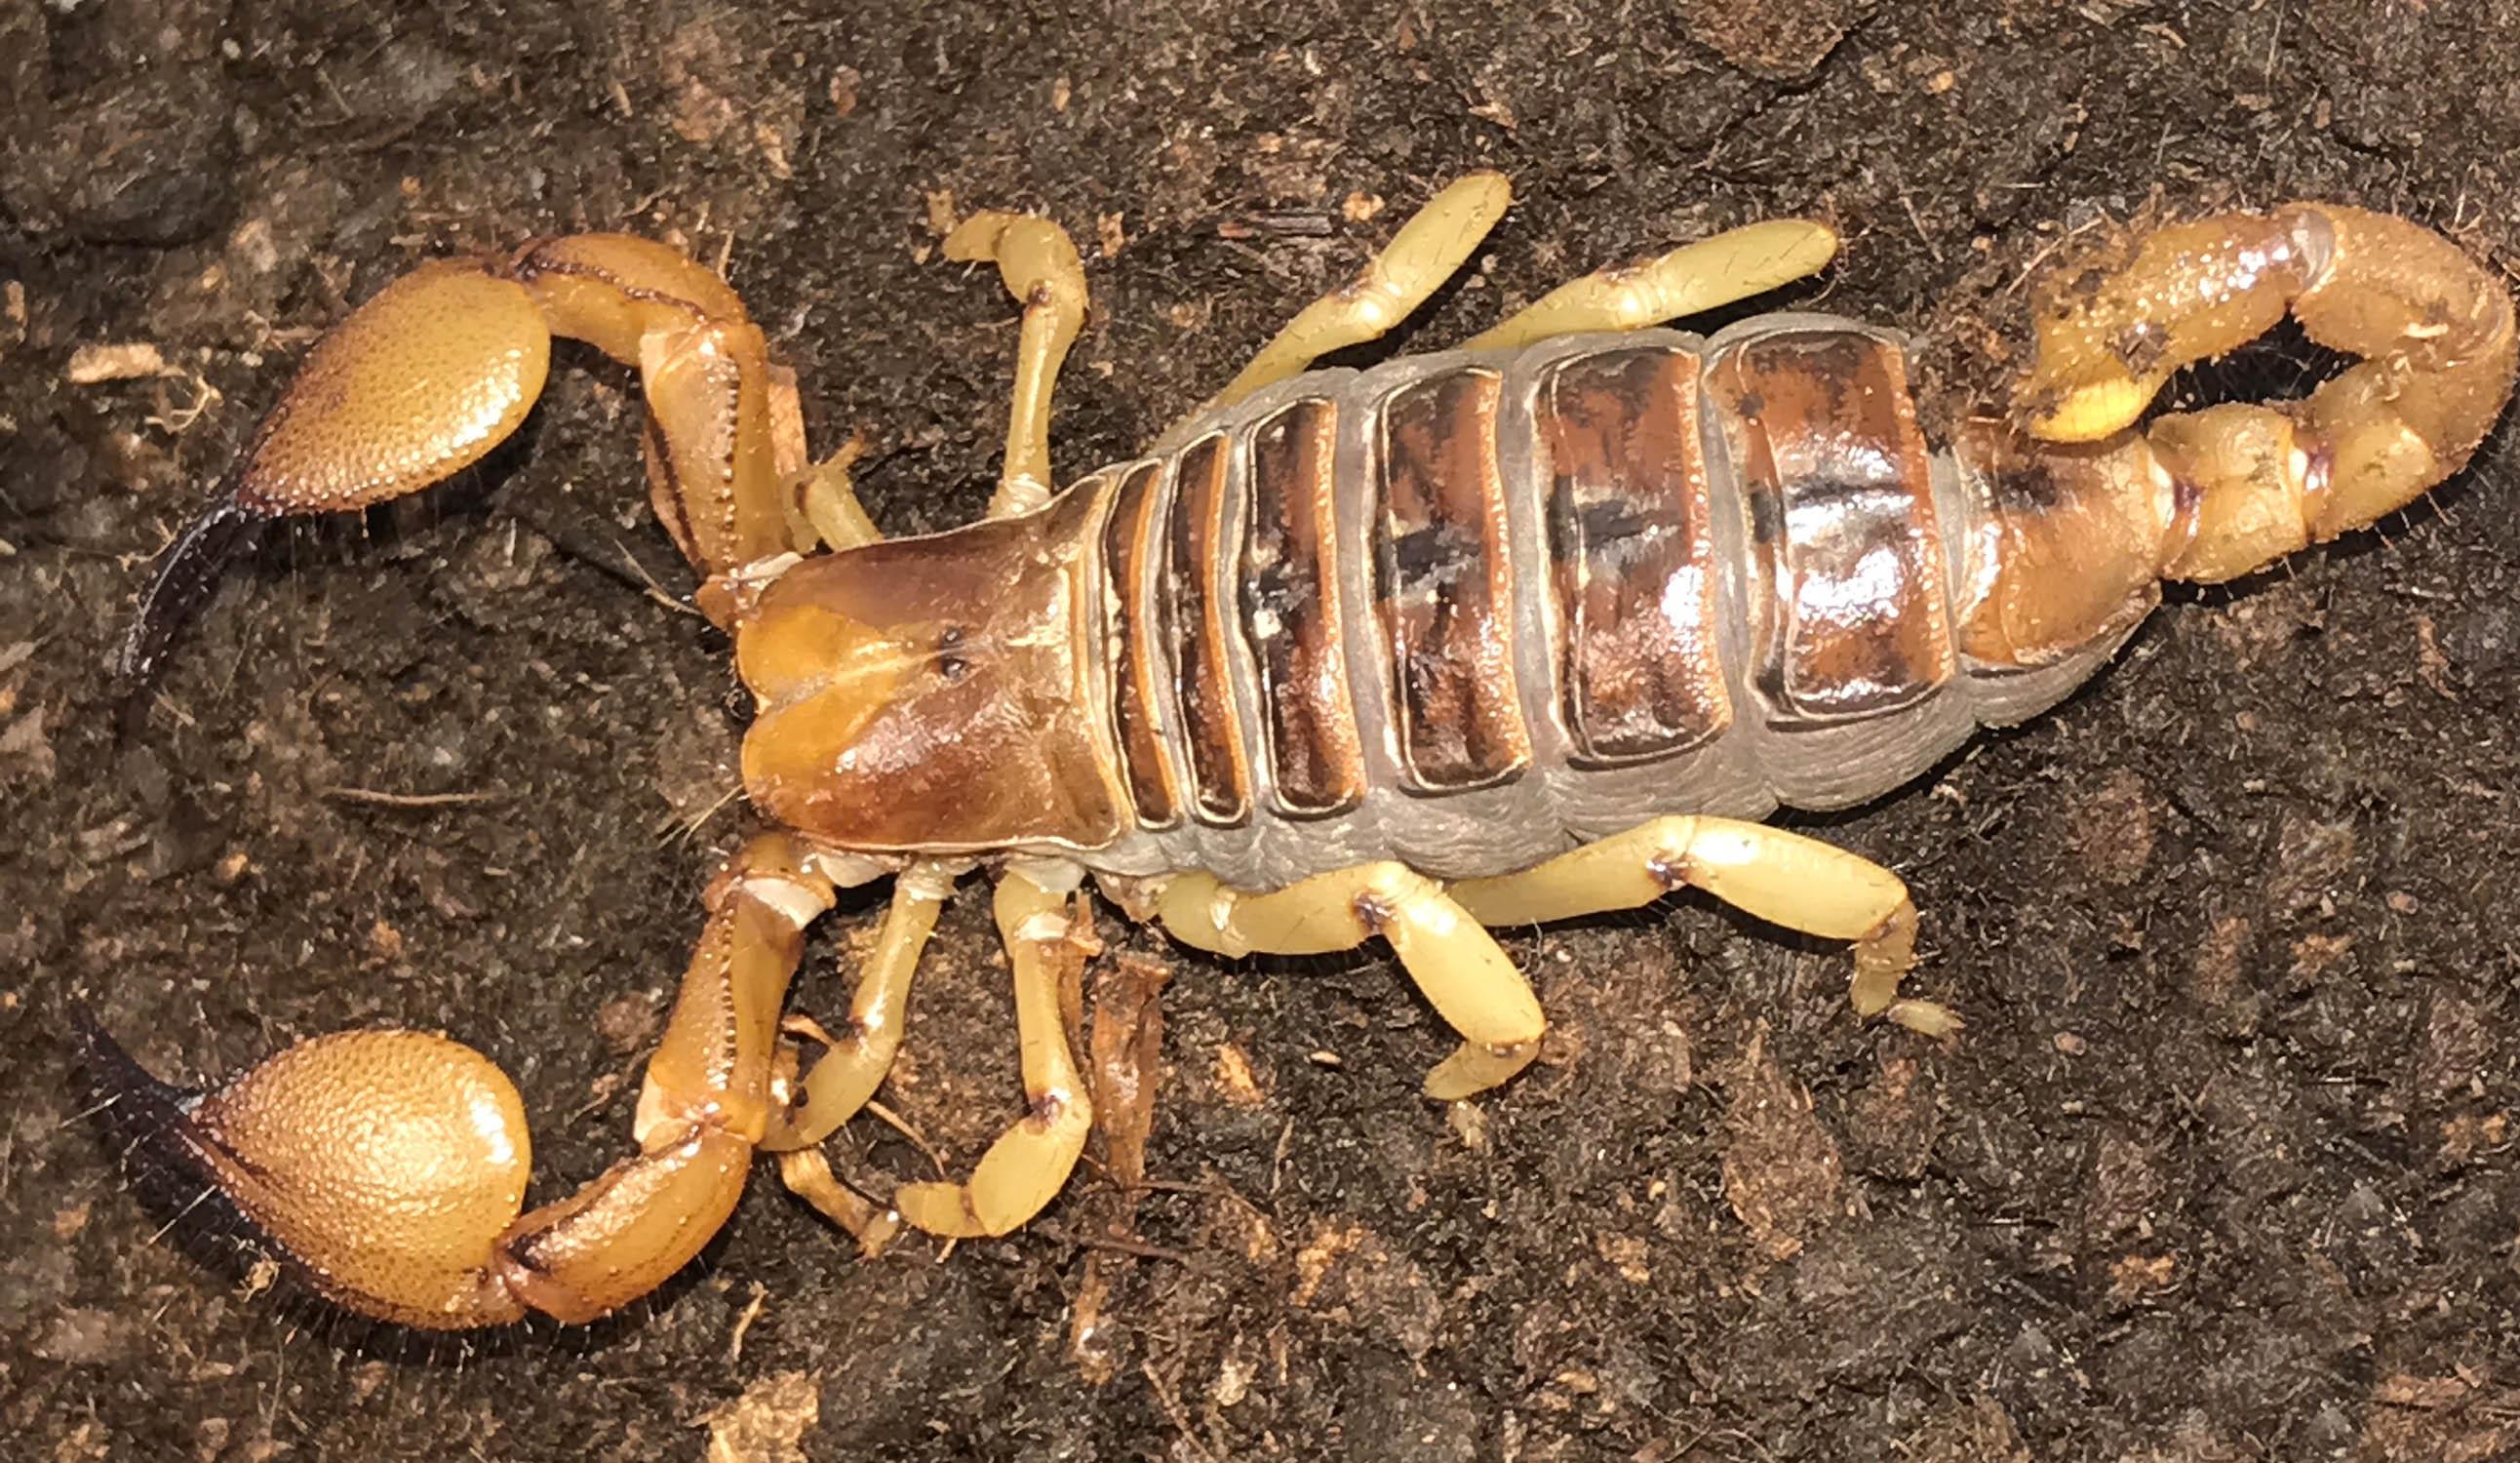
x,y
1029,1164
1429,248
1038,263
444,363
1446,949
1781,877
387,1167
370,417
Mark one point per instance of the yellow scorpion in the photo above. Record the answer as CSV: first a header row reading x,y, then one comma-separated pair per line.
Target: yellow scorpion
x,y
1535,627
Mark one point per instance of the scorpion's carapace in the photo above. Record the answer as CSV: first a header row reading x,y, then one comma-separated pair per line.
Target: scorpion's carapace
x,y
1518,632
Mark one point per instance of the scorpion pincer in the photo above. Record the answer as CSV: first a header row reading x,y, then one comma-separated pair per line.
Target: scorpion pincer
x,y
1534,627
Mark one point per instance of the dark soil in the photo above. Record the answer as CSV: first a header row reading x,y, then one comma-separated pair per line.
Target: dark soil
x,y
2221,1169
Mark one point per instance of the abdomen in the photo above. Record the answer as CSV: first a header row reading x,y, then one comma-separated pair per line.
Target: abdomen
x,y
1469,609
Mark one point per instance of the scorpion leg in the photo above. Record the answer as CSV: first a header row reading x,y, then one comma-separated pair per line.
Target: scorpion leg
x,y
1733,265
387,1167
1781,877
855,1062
444,363
825,498
1038,263
1434,243
1029,1164
1457,964
808,1175
2434,329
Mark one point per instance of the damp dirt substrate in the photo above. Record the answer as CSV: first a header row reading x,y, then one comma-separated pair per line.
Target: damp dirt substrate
x,y
2222,1168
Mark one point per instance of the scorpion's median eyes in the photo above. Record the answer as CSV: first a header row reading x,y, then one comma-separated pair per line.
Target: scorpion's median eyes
x,y
951,664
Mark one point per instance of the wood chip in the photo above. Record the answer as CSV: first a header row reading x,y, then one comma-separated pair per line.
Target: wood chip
x,y
91,365
1781,1170
764,1425
1127,1049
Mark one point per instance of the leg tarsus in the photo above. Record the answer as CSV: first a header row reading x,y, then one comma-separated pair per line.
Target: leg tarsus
x,y
1029,1164
825,503
1781,877
1455,962
1040,267
1428,249
1733,265
1474,1069
808,1175
830,500
853,1065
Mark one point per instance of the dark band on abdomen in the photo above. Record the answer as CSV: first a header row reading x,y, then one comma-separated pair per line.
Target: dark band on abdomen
x,y
1290,608
1632,554
1132,556
1196,624
1852,618
1443,588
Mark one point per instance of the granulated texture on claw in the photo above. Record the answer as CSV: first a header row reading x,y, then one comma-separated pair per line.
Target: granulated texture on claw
x,y
384,1162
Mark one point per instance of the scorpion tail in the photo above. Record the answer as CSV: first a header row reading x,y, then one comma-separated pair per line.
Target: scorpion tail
x,y
2432,327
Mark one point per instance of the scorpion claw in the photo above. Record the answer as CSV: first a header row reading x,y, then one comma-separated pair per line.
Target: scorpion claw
x,y
382,1168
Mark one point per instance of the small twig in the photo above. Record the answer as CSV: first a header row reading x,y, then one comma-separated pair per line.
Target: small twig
x,y
676,829
901,1125
744,1323
1171,1404
1111,1241
1211,1187
415,800
654,590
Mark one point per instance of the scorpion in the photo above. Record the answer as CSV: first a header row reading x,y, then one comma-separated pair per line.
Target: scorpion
x,y
1536,627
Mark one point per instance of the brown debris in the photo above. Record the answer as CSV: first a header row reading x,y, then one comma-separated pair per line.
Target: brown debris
x,y
765,1424
2125,1186
2310,862
1127,1059
1234,1081
1893,1122
695,66
2111,829
2459,1418
2217,980
1977,1431
1776,41
1781,1170
93,365
1125,1064
2134,1276
2469,1136
2458,1043
1313,1263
